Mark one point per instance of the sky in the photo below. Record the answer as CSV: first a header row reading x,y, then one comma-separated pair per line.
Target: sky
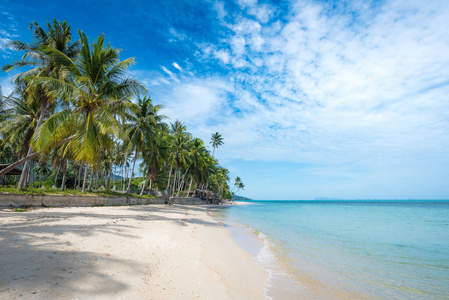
x,y
314,99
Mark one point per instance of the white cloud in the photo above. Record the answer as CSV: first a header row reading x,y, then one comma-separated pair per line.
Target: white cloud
x,y
223,55
170,73
177,66
3,44
195,101
328,91
360,95
178,35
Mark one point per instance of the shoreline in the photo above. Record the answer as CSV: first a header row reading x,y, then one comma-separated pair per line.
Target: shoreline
x,y
137,252
281,282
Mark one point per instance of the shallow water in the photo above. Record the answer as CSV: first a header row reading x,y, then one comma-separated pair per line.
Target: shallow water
x,y
352,249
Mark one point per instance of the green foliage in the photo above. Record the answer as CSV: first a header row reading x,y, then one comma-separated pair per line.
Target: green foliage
x,y
73,107
69,192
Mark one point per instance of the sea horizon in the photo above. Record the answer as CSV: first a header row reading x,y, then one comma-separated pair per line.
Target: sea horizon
x,y
330,200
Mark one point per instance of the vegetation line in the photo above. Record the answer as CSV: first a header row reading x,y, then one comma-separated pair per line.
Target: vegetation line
x,y
76,115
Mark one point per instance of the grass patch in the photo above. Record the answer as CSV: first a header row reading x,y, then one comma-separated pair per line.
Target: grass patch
x,y
70,192
19,209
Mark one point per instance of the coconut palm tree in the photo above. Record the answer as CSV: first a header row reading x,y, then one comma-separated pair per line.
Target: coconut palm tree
x,y
216,141
154,157
197,157
19,122
237,184
57,37
97,89
143,127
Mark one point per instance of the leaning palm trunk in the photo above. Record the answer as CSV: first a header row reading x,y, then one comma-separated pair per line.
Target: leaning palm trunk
x,y
29,157
132,172
182,182
64,175
144,183
143,187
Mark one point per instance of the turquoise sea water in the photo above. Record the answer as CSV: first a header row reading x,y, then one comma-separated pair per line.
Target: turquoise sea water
x,y
355,249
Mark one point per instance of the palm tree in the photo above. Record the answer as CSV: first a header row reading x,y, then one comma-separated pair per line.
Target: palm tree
x,y
96,89
198,156
144,124
3,105
237,184
59,38
216,140
154,156
19,122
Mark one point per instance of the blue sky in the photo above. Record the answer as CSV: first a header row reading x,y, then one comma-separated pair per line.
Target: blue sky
x,y
338,99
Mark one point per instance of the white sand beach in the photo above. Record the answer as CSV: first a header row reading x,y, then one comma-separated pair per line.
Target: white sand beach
x,y
127,252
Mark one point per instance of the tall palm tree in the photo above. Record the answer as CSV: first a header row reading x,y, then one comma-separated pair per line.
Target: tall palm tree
x,y
57,37
154,156
198,156
143,127
97,89
216,141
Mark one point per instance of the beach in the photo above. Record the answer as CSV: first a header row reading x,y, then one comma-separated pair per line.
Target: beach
x,y
125,252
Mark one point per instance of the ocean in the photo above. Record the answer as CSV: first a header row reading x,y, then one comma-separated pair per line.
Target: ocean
x,y
349,249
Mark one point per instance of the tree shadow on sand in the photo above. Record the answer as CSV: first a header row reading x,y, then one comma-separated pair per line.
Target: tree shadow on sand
x,y
36,262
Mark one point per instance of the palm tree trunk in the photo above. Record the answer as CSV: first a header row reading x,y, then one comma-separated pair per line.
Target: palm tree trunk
x,y
143,187
151,184
31,156
124,175
144,182
79,175
97,179
64,175
26,166
85,177
181,184
190,185
172,190
169,175
57,173
28,173
91,178
132,172
109,174
30,149
115,182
